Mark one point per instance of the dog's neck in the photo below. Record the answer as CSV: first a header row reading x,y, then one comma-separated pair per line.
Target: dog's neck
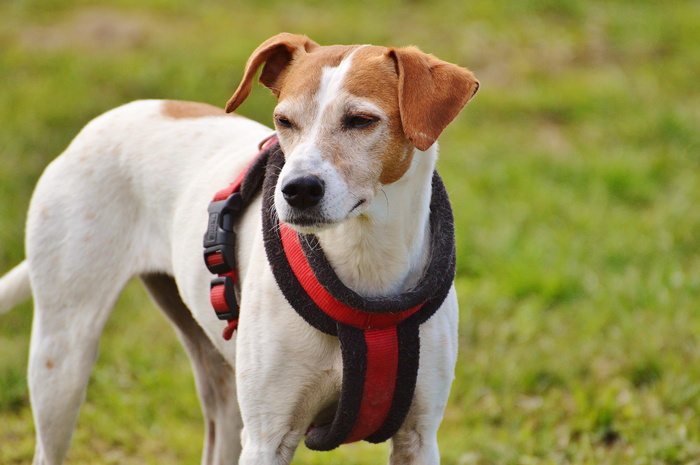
x,y
384,250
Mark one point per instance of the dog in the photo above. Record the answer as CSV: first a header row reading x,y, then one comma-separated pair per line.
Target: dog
x,y
358,127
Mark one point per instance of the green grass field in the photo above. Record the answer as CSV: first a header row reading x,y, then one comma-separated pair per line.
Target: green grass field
x,y
575,179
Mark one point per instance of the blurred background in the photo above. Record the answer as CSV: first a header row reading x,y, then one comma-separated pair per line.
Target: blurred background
x,y
575,180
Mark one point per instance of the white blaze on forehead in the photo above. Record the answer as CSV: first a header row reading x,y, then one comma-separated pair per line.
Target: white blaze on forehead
x,y
332,79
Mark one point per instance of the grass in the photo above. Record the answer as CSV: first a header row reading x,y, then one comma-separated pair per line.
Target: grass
x,y
575,177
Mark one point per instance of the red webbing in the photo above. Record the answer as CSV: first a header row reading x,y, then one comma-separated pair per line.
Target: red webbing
x,y
215,259
324,300
380,382
234,187
218,299
228,331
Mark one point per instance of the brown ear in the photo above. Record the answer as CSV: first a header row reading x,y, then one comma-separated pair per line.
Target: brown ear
x,y
276,52
432,92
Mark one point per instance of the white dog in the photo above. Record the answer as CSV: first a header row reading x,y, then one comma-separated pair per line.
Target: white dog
x,y
129,196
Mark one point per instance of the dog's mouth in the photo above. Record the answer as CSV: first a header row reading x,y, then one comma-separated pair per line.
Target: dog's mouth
x,y
358,204
308,224
309,221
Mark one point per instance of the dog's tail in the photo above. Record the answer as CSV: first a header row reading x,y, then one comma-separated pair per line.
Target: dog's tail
x,y
15,287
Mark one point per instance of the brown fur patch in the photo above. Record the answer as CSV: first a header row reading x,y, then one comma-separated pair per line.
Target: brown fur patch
x,y
277,53
431,93
373,76
396,163
176,109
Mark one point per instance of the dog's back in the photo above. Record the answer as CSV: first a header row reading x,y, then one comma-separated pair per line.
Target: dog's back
x,y
112,193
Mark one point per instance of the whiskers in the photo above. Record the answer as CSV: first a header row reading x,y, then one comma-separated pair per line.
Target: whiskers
x,y
272,213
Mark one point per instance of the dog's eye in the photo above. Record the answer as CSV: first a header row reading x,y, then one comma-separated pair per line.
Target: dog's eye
x,y
359,121
283,122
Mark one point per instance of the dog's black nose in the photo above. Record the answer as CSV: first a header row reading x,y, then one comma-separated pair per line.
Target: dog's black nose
x,y
304,192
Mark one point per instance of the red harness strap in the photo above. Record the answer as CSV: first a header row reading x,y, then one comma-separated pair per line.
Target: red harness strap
x,y
329,304
380,382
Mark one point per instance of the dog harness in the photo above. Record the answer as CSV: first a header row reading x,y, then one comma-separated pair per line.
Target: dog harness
x,y
379,337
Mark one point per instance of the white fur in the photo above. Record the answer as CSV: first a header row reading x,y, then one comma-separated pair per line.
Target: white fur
x,y
129,197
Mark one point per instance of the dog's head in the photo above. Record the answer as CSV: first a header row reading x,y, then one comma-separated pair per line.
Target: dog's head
x,y
349,119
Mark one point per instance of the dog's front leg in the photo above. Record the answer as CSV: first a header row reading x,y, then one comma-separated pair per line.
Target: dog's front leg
x,y
416,442
286,372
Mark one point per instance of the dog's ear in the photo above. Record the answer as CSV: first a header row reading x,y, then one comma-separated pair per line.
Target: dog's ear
x,y
276,52
432,92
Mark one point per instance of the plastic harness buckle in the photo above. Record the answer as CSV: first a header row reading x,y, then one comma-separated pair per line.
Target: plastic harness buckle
x,y
220,240
223,297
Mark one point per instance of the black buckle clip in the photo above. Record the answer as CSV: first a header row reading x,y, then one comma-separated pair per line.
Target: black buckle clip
x,y
220,237
229,295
